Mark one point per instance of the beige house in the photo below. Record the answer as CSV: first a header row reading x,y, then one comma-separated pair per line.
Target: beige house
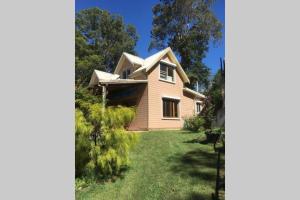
x,y
155,85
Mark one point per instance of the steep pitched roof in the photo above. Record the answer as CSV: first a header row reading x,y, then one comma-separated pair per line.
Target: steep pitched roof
x,y
131,58
134,59
148,63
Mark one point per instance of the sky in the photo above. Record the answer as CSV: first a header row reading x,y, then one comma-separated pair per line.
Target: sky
x,y
139,13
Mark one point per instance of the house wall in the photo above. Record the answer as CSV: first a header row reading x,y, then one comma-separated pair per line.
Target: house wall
x,y
156,90
140,121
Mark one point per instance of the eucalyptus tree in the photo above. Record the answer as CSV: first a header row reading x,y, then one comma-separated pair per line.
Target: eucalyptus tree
x,y
187,26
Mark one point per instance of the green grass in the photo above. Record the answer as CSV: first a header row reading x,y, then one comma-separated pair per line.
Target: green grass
x,y
164,165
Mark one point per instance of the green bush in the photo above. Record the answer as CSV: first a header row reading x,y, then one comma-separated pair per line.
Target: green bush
x,y
80,183
111,151
83,130
113,117
113,154
193,123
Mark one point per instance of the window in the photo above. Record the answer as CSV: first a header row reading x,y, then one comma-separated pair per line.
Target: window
x,y
170,107
198,107
126,73
166,72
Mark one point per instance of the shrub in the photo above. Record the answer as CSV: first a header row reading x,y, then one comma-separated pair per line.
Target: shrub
x,y
114,117
83,130
80,183
212,135
113,154
110,152
193,123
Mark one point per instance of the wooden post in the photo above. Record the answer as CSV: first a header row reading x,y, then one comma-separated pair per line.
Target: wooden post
x,y
103,98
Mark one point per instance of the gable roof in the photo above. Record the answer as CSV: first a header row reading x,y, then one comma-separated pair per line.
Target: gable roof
x,y
134,59
148,63
131,58
102,76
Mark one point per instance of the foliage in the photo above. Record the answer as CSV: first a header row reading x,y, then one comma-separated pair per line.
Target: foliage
x,y
81,183
217,130
100,40
84,99
164,165
83,130
186,26
82,94
215,91
102,144
117,117
208,113
214,100
110,151
193,123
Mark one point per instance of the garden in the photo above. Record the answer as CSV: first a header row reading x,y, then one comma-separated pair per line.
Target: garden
x,y
163,165
112,163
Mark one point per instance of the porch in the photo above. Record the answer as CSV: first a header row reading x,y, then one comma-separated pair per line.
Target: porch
x,y
125,92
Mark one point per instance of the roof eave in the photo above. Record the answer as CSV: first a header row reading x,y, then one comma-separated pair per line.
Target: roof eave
x,y
194,93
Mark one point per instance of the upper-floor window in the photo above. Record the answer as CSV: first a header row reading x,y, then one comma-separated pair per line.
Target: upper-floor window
x,y
166,72
126,73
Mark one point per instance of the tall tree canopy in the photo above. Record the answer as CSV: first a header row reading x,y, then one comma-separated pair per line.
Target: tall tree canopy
x,y
186,26
99,42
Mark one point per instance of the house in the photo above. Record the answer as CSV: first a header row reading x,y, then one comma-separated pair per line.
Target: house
x,y
155,85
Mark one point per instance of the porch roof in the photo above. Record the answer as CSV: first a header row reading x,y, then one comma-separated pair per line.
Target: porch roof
x,y
122,81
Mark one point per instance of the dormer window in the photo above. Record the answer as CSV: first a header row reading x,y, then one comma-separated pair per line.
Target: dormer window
x,y
126,73
167,72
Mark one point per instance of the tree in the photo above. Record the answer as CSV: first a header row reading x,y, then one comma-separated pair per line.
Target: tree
x,y
215,99
186,26
100,40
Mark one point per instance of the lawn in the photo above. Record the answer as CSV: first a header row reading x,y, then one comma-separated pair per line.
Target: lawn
x,y
164,165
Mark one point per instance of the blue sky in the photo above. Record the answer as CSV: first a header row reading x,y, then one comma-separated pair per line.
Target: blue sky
x,y
139,13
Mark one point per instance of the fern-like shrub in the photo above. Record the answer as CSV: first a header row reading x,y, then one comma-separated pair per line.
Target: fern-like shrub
x,y
110,149
83,130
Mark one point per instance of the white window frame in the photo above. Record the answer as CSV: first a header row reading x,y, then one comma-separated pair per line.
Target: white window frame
x,y
200,102
168,65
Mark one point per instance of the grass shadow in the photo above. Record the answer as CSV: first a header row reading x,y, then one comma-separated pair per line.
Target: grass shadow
x,y
194,196
198,140
197,164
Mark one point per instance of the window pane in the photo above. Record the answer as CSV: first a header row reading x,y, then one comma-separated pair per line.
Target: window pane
x,y
170,108
163,71
170,74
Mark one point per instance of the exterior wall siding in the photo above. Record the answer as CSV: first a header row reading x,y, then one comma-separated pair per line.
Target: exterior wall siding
x,y
149,110
156,90
140,121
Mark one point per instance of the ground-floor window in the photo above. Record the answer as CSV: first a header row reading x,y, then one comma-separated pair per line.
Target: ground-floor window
x,y
170,107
